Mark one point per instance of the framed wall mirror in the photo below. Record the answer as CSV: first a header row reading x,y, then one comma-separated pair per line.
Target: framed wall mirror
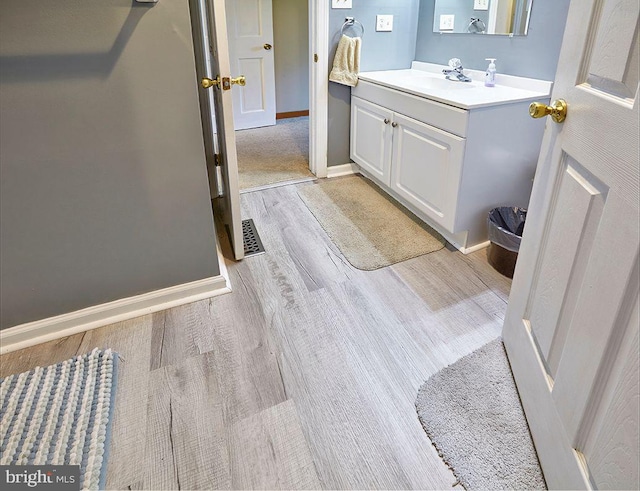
x,y
482,17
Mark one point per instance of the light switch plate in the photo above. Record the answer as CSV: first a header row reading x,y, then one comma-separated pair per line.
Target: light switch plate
x,y
446,22
384,23
480,4
341,4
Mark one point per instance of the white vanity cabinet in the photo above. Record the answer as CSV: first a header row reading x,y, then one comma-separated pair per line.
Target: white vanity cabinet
x,y
449,165
418,161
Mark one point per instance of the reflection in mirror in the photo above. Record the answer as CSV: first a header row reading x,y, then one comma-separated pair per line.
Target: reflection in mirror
x,y
506,17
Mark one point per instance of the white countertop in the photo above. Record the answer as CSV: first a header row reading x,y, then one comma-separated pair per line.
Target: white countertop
x,y
427,80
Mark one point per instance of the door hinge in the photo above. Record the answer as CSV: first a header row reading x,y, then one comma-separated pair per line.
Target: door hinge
x,y
219,181
315,57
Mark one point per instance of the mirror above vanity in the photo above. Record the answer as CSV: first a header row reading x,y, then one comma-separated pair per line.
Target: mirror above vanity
x,y
488,17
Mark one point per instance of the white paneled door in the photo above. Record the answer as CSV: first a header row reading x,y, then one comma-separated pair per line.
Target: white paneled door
x,y
250,30
571,329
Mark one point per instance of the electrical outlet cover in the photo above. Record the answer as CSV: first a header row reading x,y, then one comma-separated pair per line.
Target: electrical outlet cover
x,y
480,4
384,23
341,4
446,22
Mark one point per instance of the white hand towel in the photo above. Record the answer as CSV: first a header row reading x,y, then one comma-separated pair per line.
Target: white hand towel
x,y
346,64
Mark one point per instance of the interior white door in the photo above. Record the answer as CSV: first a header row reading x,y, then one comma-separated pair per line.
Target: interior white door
x,y
571,329
250,28
217,115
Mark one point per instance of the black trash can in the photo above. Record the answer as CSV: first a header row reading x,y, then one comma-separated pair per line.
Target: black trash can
x,y
505,225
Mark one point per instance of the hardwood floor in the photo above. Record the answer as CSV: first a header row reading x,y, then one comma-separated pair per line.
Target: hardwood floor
x,y
304,377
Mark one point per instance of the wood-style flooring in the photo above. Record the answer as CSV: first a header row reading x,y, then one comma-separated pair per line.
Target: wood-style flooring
x,y
304,377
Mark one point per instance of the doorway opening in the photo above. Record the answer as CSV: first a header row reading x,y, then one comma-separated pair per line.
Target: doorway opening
x,y
270,42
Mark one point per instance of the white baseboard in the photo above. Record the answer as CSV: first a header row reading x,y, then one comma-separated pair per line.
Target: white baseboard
x,y
32,333
342,170
477,247
455,242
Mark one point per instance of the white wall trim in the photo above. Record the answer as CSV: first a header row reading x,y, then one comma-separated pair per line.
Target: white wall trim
x,y
32,333
477,247
342,170
318,86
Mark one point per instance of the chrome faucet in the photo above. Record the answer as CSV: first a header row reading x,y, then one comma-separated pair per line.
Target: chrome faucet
x,y
455,71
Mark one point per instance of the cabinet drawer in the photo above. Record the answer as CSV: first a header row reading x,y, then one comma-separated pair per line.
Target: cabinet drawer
x,y
427,163
448,118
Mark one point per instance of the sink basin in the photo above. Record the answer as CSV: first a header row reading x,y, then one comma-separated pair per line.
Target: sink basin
x,y
427,80
441,83
423,82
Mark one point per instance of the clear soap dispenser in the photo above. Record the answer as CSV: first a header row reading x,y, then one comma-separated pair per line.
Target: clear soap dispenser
x,y
490,76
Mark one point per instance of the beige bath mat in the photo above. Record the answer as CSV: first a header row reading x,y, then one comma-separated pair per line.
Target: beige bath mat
x,y
472,413
369,228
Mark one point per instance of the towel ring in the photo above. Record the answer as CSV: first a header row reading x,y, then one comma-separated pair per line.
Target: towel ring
x,y
350,22
476,26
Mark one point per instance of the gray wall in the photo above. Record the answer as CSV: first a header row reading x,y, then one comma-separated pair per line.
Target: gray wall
x,y
463,11
380,51
534,55
291,52
103,182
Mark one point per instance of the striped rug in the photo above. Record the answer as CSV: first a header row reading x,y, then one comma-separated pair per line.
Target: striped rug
x,y
60,415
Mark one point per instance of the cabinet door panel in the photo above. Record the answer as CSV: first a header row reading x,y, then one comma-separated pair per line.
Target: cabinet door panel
x,y
426,168
371,138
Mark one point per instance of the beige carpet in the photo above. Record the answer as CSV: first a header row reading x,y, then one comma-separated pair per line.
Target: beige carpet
x,y
369,228
274,153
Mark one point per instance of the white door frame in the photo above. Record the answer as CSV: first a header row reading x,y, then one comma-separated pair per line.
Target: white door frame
x,y
318,86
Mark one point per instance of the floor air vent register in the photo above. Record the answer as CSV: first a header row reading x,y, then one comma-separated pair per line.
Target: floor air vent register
x,y
252,243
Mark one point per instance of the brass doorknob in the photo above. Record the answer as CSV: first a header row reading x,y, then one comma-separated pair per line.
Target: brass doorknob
x,y
208,82
557,110
267,46
241,80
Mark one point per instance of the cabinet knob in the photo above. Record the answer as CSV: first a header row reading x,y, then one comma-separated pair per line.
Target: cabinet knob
x,y
394,124
386,121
